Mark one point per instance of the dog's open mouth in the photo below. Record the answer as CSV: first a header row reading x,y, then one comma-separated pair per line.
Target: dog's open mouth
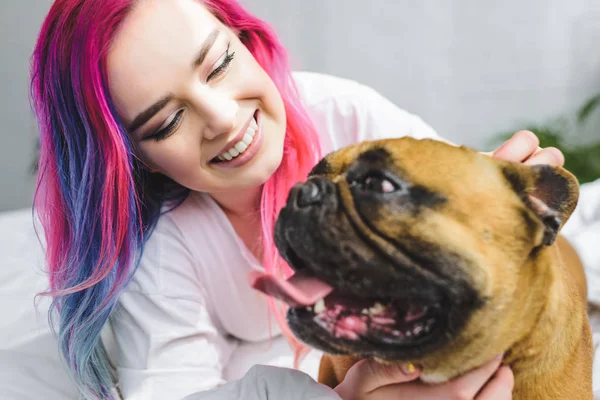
x,y
351,317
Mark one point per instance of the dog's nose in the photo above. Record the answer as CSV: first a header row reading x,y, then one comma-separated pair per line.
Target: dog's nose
x,y
309,194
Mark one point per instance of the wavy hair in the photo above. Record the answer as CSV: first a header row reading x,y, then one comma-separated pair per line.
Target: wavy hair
x,y
96,201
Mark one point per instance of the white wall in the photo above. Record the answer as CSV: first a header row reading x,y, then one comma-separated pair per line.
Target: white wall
x,y
470,68
19,25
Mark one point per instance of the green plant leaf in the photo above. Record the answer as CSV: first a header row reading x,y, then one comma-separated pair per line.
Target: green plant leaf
x,y
581,161
588,108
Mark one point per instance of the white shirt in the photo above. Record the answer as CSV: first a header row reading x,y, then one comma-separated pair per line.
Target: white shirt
x,y
189,319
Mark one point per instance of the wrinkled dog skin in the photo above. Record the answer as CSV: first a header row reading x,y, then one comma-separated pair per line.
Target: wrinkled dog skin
x,y
442,257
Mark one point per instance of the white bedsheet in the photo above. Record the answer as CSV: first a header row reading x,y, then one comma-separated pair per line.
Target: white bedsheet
x,y
30,367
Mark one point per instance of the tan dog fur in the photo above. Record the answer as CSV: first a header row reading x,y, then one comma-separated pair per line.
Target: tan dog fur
x,y
536,313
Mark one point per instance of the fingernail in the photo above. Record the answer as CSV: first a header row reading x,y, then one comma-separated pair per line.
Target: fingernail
x,y
499,357
408,368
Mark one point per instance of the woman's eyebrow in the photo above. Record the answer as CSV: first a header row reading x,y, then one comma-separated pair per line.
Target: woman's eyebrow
x,y
206,45
148,113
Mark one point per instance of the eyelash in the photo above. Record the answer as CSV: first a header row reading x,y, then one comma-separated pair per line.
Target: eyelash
x,y
221,68
163,133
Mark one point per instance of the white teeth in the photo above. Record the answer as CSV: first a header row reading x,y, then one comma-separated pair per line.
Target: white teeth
x,y
242,145
364,311
247,139
417,329
319,306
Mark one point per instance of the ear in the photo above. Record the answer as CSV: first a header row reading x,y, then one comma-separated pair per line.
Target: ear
x,y
550,192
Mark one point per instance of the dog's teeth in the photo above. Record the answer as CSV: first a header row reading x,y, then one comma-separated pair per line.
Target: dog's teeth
x,y
408,333
364,311
396,333
417,329
308,308
377,308
319,306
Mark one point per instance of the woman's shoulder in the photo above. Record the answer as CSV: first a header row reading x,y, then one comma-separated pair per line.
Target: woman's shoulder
x,y
345,112
333,97
316,88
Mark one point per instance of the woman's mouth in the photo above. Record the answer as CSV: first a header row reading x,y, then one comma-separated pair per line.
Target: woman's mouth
x,y
244,149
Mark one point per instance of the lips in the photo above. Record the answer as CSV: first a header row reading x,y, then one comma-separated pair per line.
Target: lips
x,y
240,143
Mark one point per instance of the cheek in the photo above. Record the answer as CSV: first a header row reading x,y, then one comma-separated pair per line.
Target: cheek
x,y
173,158
259,85
274,102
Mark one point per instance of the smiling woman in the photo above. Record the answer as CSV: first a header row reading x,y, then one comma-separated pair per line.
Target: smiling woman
x,y
171,133
133,117
198,102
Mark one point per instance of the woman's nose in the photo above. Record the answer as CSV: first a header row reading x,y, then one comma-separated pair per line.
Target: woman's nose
x,y
220,112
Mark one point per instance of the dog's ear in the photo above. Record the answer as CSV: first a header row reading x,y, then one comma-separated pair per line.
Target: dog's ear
x,y
550,192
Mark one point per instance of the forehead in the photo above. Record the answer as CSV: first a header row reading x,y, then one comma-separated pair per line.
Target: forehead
x,y
155,44
429,163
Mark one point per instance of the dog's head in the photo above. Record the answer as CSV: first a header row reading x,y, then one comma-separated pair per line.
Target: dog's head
x,y
427,246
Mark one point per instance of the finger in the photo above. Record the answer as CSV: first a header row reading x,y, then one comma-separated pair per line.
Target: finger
x,y
499,387
549,155
374,375
491,153
465,387
470,383
518,148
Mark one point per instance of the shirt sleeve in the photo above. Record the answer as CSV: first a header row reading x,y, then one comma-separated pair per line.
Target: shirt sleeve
x,y
167,348
166,343
263,382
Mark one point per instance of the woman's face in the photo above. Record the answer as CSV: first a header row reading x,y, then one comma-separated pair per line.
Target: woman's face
x,y
200,107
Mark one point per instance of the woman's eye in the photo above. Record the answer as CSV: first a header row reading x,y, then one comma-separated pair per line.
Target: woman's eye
x,y
169,129
222,67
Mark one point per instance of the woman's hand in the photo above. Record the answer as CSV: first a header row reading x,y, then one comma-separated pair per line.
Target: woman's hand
x,y
523,147
369,380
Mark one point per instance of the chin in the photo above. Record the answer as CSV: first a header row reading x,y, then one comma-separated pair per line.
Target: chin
x,y
260,173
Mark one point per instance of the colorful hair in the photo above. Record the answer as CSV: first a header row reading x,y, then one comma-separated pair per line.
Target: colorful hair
x,y
95,200
301,150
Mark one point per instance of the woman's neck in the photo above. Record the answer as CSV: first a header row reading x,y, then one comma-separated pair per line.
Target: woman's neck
x,y
242,208
242,204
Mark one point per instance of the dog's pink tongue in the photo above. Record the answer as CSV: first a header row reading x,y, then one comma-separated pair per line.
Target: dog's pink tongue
x,y
301,289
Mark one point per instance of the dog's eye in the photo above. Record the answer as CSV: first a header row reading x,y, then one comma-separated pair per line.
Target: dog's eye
x,y
378,184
